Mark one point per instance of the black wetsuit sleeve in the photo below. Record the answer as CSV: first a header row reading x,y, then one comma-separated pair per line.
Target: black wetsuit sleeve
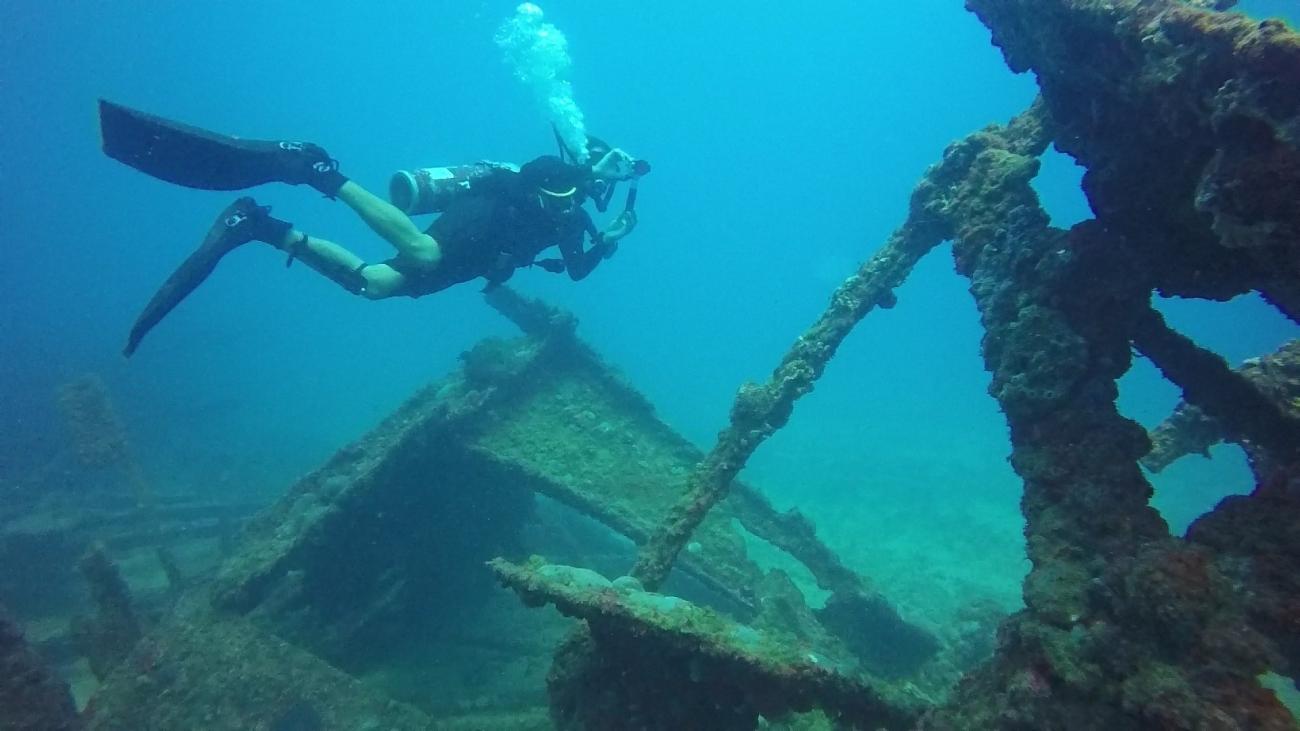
x,y
579,263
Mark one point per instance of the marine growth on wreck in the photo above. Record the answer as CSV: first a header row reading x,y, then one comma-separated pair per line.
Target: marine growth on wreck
x,y
529,541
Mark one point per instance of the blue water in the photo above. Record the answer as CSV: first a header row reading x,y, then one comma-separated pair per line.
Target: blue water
x,y
785,143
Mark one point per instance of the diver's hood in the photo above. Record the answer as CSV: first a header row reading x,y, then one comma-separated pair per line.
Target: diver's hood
x,y
552,176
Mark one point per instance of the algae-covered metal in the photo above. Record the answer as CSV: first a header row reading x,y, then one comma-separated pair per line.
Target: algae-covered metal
x,y
718,673
538,415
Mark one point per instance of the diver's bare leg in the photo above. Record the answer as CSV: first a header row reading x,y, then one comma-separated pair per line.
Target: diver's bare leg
x,y
391,224
374,281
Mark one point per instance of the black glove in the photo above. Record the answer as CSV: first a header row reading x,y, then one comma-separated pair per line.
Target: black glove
x,y
554,266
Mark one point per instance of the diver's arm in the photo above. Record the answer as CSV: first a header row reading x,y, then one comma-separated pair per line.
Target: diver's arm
x,y
622,226
615,165
579,263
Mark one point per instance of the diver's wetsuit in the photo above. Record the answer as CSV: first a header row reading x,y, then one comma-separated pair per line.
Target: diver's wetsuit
x,y
494,228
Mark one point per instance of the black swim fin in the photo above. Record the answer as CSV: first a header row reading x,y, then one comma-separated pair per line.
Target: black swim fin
x,y
199,158
242,221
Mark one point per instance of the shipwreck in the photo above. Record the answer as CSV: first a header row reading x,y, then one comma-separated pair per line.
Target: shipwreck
x,y
1187,121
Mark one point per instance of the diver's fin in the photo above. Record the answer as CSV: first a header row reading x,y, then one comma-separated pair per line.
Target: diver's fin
x,y
199,158
242,221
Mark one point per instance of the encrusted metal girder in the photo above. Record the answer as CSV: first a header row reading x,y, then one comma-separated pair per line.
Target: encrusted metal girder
x,y
538,415
684,666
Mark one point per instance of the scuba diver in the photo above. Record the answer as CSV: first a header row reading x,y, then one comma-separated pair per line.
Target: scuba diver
x,y
495,218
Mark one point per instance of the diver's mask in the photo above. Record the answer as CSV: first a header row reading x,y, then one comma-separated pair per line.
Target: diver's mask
x,y
561,202
559,187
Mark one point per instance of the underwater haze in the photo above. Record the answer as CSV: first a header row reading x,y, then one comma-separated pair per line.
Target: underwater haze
x,y
785,139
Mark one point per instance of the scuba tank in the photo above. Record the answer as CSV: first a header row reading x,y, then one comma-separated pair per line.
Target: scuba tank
x,y
430,190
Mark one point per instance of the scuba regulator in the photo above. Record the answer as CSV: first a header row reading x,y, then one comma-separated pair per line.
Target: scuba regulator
x,y
602,196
